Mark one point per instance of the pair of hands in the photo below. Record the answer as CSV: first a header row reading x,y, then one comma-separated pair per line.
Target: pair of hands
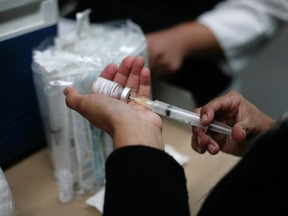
x,y
133,124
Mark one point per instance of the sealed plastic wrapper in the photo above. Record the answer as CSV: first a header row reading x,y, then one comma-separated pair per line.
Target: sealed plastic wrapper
x,y
77,59
7,205
116,39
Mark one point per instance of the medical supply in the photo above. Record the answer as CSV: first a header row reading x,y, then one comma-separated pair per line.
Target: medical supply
x,y
7,205
111,89
65,185
182,115
76,58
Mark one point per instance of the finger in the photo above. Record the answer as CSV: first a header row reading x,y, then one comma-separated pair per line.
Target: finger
x,y
200,140
109,71
203,139
72,97
144,90
222,104
124,71
89,106
213,148
238,133
129,66
205,143
129,72
82,103
195,145
201,133
135,75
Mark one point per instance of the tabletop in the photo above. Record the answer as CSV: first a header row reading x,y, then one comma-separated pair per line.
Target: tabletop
x,y
35,191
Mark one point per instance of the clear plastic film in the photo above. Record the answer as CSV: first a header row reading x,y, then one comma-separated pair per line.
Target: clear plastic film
x,y
7,204
76,59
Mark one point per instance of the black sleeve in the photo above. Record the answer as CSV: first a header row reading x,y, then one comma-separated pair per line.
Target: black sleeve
x,y
142,180
258,184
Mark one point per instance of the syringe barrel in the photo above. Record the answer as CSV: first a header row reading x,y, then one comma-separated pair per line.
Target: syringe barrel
x,y
220,127
176,113
188,117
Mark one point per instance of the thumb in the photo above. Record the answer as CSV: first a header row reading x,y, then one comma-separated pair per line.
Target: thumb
x,y
239,132
72,97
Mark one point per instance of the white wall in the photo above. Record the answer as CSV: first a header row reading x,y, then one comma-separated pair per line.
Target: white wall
x,y
265,82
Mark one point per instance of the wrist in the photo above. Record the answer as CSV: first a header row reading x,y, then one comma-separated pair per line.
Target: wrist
x,y
144,133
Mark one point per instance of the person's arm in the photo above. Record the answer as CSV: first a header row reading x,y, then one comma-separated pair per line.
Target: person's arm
x,y
242,27
168,48
233,109
141,179
253,178
230,34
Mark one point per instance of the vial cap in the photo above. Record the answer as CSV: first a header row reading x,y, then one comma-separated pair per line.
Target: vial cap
x,y
125,94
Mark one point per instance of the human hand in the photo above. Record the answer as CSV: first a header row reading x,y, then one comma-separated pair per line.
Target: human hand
x,y
166,51
168,48
127,124
233,109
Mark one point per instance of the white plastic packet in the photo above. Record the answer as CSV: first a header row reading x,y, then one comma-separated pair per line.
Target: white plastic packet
x,y
76,59
7,205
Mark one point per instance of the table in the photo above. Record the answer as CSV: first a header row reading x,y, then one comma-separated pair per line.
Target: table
x,y
35,190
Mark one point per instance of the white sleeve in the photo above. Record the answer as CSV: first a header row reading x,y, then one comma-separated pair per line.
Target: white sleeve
x,y
242,27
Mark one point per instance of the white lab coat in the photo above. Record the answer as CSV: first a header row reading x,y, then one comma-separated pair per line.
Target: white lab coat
x,y
242,27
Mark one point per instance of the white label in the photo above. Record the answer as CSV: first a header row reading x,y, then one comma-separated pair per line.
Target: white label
x,y
106,87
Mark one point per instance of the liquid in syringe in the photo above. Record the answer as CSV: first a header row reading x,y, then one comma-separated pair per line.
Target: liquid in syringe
x,y
182,115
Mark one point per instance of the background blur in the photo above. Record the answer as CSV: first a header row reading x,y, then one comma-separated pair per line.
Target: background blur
x,y
264,82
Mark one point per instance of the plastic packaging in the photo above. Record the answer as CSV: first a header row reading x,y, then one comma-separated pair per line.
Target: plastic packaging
x,y
76,59
7,205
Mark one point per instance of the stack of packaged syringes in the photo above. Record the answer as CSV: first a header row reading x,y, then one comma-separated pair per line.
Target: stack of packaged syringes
x,y
76,59
7,205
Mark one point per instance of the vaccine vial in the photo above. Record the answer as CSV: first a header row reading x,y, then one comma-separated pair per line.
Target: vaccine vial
x,y
111,89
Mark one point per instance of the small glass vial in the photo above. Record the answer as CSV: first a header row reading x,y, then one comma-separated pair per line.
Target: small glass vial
x,y
111,89
65,184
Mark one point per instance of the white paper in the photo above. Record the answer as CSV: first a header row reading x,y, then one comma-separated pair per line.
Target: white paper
x,y
97,200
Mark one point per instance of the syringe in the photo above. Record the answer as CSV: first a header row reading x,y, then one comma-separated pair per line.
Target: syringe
x,y
182,115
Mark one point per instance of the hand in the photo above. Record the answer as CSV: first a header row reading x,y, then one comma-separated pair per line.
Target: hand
x,y
233,109
127,124
165,51
168,48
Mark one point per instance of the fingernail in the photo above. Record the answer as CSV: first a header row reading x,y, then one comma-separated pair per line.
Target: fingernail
x,y
199,149
199,140
211,148
204,118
